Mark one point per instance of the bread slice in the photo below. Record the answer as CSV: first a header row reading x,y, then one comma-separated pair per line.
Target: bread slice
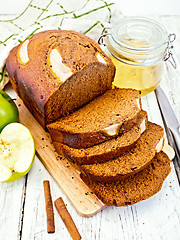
x,y
133,189
106,116
55,72
107,150
132,161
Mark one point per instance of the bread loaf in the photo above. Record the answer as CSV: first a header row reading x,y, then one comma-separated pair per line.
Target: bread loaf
x,y
110,114
133,189
56,72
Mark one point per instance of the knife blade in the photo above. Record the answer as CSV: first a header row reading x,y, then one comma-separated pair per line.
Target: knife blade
x,y
172,125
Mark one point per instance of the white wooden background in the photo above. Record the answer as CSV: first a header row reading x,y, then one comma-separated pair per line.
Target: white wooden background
x,y
22,208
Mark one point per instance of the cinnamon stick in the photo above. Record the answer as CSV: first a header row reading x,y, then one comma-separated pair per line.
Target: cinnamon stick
x,y
67,219
49,207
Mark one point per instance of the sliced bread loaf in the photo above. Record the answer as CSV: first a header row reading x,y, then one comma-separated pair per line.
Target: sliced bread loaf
x,y
107,150
135,188
105,117
132,161
55,72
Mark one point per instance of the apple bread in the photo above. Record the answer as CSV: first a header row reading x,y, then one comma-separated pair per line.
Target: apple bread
x,y
55,72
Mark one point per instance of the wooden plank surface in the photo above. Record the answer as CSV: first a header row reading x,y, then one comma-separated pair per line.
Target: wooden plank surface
x,y
154,219
11,206
86,203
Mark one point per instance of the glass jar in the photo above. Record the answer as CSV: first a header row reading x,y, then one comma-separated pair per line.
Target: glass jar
x,y
138,47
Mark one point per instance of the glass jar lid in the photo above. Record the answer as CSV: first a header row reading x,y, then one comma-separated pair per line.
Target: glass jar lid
x,y
137,41
140,34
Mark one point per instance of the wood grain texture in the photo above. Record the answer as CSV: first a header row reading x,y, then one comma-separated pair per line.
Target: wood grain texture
x,y
11,206
86,203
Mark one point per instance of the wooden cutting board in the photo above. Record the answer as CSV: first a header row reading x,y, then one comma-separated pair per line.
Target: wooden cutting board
x,y
68,178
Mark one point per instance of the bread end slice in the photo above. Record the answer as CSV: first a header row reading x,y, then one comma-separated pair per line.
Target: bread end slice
x,y
133,189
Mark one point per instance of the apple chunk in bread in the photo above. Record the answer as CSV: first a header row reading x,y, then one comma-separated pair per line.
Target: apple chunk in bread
x,y
17,151
58,68
22,54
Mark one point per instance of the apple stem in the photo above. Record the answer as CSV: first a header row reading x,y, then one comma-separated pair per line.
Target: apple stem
x,y
12,99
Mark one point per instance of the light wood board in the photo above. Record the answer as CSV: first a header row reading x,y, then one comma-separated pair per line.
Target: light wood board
x,y
68,178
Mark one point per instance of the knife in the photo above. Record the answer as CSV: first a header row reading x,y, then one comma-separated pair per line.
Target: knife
x,y
172,125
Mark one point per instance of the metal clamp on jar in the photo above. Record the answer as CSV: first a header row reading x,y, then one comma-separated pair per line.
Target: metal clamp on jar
x,y
138,48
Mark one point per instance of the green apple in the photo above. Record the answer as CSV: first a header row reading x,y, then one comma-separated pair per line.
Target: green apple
x,y
8,110
17,151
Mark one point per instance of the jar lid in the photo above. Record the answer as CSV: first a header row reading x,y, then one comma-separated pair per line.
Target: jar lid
x,y
138,33
137,41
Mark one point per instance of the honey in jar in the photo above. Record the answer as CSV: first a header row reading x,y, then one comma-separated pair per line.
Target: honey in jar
x,y
138,47
143,78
